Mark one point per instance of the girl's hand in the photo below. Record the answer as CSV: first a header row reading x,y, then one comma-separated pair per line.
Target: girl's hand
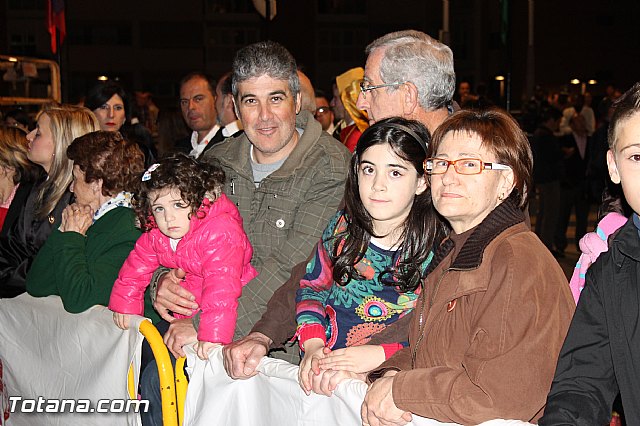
x,y
121,320
76,218
313,351
203,348
358,359
328,380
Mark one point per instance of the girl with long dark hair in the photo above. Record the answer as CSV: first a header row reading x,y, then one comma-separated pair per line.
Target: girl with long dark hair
x,y
372,256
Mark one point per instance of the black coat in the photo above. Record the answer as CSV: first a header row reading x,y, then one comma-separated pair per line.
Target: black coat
x,y
17,204
601,354
20,244
547,156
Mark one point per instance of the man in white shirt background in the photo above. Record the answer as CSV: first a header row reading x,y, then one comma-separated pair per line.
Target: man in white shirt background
x,y
198,105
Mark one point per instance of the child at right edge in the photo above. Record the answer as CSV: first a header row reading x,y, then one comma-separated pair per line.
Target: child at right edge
x,y
600,356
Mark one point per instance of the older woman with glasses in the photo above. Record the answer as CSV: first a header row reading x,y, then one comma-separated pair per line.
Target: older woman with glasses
x,y
495,307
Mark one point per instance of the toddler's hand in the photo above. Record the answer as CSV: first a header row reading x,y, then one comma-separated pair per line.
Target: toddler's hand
x,y
203,348
358,359
313,351
121,320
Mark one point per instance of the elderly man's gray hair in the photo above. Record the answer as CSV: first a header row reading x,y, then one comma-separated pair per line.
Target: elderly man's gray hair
x,y
413,56
265,58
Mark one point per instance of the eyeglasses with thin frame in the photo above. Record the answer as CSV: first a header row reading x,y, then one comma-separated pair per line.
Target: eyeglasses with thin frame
x,y
366,87
322,110
463,166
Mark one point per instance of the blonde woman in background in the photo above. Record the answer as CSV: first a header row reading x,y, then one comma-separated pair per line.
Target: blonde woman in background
x,y
57,127
17,174
349,89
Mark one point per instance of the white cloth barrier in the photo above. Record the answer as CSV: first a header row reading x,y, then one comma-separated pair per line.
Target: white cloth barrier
x,y
273,397
51,354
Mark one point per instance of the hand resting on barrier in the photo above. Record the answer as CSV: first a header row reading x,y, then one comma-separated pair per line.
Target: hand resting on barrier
x,y
335,366
181,332
241,358
379,408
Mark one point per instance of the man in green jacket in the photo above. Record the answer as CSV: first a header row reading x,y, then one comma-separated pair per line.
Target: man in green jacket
x,y
407,74
285,175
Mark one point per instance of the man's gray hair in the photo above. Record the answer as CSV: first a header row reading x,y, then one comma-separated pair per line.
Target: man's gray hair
x,y
265,58
413,56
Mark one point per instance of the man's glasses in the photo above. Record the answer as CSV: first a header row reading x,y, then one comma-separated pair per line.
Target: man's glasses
x,y
365,86
322,110
463,166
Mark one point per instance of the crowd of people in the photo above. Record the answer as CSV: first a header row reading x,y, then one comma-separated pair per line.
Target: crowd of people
x,y
385,230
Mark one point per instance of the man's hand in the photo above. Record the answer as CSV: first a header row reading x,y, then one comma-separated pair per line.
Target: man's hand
x,y
378,407
241,358
173,297
180,333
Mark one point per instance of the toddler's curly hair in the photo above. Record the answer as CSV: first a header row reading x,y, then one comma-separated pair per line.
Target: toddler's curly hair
x,y
195,180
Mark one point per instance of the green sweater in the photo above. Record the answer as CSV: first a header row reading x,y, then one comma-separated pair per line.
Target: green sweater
x,y
82,269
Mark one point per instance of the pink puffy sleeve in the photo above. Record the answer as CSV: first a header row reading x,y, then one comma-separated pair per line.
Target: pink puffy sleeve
x,y
127,295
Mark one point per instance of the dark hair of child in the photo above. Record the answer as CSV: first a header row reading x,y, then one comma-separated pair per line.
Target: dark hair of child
x,y
192,178
422,228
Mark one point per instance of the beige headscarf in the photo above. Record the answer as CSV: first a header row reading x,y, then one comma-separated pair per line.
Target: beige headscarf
x,y
349,88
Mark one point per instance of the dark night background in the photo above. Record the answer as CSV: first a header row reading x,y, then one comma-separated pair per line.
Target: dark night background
x,y
149,45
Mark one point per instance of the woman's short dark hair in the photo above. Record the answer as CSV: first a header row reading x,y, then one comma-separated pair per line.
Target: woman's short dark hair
x,y
192,178
501,135
108,156
99,94
409,140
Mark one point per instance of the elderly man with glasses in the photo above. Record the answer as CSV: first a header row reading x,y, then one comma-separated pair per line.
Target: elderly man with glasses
x,y
408,74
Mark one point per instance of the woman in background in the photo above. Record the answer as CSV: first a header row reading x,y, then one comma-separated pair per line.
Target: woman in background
x,y
111,105
349,85
17,174
56,128
81,258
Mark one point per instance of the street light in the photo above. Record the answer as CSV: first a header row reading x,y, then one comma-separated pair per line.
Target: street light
x,y
583,84
103,78
500,78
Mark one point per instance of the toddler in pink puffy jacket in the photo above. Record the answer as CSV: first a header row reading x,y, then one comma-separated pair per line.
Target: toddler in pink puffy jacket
x,y
190,224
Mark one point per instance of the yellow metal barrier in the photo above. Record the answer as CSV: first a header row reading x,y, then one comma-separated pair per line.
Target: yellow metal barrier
x,y
165,373
181,388
131,384
167,390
